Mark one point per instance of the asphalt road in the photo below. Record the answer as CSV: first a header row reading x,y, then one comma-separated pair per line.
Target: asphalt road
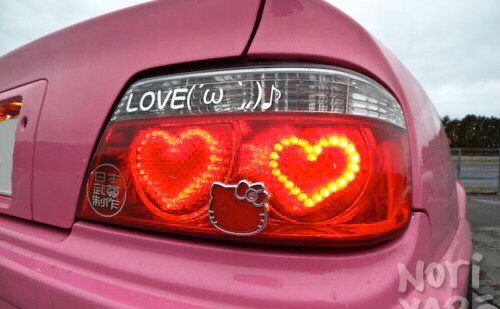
x,y
483,213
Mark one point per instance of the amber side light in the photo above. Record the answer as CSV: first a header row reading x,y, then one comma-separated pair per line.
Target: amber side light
x,y
10,110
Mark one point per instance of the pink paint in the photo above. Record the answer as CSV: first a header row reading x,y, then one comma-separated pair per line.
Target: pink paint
x,y
147,267
314,31
31,95
89,64
115,267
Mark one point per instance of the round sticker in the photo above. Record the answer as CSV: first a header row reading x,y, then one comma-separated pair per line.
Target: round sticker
x,y
106,190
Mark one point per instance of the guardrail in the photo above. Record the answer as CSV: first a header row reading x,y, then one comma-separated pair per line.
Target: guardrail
x,y
477,169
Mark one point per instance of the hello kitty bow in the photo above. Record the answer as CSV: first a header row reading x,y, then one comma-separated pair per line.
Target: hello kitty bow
x,y
252,193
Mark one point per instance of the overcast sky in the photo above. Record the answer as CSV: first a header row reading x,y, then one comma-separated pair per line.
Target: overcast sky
x,y
452,47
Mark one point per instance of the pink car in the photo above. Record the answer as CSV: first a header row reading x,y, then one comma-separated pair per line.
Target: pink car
x,y
224,153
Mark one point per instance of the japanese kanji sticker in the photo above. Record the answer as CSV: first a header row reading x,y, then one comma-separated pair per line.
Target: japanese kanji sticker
x,y
106,190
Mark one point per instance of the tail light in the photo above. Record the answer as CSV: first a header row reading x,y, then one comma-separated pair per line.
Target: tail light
x,y
320,156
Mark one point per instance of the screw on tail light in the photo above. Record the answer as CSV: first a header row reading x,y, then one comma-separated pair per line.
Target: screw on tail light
x,y
327,145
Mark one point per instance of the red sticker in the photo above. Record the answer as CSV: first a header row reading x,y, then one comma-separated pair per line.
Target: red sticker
x,y
106,190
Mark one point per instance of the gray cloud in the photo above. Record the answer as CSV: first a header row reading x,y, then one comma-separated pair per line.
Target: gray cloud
x,y
452,47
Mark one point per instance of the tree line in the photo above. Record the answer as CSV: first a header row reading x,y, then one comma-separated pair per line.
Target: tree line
x,y
473,131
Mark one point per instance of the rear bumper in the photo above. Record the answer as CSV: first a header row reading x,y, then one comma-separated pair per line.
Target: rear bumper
x,y
96,265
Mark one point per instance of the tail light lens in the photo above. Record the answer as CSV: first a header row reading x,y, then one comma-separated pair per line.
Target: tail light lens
x,y
328,147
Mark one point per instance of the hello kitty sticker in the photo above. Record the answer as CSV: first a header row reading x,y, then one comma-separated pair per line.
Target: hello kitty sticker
x,y
238,209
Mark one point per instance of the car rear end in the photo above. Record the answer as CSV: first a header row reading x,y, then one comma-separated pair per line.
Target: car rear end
x,y
140,136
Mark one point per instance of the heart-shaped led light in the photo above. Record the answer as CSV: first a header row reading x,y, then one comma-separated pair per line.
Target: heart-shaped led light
x,y
312,153
176,172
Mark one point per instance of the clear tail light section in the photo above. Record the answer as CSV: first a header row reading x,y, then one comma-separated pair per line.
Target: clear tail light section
x,y
284,155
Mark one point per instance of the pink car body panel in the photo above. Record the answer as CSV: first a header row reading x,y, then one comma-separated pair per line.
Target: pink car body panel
x,y
96,265
332,37
86,68
87,65
32,95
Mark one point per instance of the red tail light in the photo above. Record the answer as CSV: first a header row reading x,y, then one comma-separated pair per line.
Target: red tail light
x,y
326,177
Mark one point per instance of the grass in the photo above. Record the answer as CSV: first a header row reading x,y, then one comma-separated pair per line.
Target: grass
x,y
479,190
483,159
